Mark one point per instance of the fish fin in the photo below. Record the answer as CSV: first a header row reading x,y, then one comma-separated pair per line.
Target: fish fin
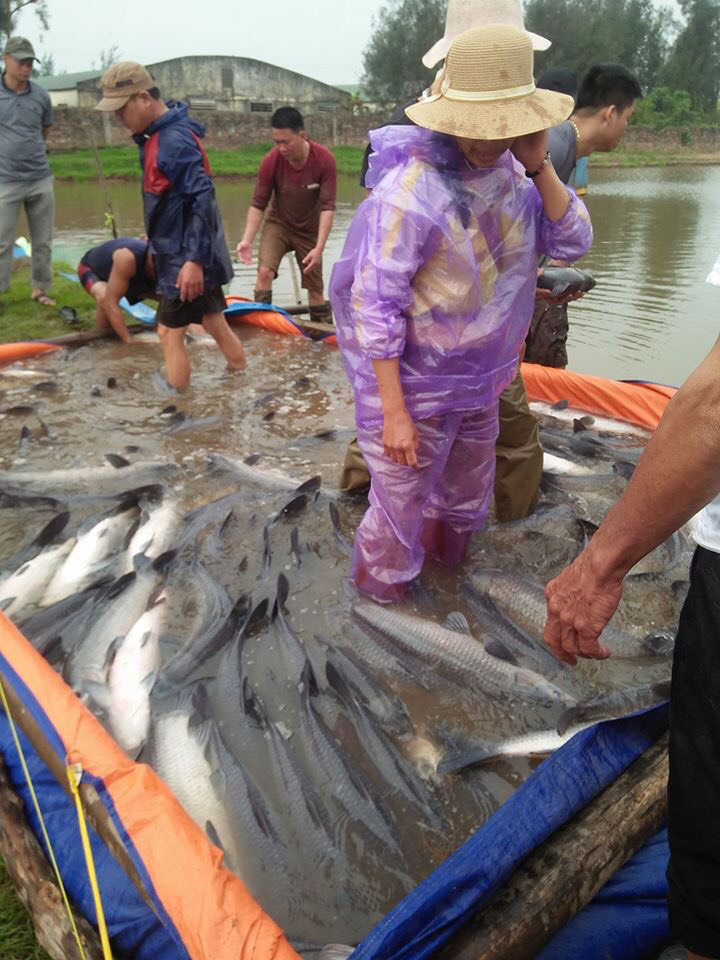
x,y
579,426
267,549
496,648
310,486
148,682
336,951
295,544
457,622
115,460
283,589
339,685
567,719
161,563
52,529
141,562
99,693
201,701
296,505
213,837
252,459
624,468
326,435
662,689
561,405
112,651
661,643
461,759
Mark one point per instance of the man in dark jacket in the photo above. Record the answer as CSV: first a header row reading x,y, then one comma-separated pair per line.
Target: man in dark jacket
x,y
182,220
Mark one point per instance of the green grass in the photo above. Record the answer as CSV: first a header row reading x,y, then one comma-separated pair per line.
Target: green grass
x,y
122,162
17,937
22,319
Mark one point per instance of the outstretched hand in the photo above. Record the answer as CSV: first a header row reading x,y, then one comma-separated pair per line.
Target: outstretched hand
x,y
580,606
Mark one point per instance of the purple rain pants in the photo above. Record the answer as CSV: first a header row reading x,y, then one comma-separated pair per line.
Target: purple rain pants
x,y
430,510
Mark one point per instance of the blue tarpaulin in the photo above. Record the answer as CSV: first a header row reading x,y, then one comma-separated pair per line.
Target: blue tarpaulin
x,y
560,787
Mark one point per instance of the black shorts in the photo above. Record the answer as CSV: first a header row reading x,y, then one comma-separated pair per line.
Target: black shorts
x,y
694,790
181,313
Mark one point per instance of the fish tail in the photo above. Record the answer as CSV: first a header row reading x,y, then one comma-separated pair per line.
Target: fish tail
x,y
336,951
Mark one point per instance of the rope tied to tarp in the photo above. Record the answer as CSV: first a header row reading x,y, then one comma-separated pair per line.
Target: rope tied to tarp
x,y
74,776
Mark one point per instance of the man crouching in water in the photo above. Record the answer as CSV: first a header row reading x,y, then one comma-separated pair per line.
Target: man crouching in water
x,y
434,293
113,270
182,220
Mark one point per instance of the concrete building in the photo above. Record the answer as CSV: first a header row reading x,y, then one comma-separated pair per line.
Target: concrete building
x,y
238,84
63,89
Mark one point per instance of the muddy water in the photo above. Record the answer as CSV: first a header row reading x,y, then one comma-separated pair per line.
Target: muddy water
x,y
107,399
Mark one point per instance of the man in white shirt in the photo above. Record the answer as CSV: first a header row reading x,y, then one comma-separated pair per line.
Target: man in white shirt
x,y
678,474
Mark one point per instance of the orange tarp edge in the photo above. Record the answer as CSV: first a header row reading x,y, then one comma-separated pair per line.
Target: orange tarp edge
x,y
211,909
10,352
641,404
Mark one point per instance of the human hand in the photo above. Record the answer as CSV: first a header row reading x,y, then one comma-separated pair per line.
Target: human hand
x,y
244,252
400,439
190,281
580,605
312,260
530,150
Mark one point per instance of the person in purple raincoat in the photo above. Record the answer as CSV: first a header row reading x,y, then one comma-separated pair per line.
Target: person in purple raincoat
x,y
434,293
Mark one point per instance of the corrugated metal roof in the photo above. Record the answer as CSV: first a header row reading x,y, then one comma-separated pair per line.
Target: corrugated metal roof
x,y
66,81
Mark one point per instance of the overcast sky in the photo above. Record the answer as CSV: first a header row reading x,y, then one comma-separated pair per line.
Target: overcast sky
x,y
322,38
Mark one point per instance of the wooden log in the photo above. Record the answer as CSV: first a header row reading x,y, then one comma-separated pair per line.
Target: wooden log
x,y
564,874
82,337
34,881
95,811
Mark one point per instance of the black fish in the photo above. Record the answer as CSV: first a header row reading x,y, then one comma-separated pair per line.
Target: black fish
x,y
46,386
115,460
563,280
95,391
22,410
111,383
340,537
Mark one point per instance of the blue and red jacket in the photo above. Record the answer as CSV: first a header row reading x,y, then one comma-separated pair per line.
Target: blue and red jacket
x,y
182,219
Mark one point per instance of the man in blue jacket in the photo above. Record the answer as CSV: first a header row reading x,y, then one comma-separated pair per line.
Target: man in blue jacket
x,y
182,220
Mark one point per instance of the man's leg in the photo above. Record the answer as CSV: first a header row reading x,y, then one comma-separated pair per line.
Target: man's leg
x,y
274,245
546,342
230,345
388,553
10,205
40,210
518,455
461,500
320,309
177,362
694,788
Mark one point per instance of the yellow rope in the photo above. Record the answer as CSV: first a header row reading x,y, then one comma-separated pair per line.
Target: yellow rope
x,y
46,838
74,774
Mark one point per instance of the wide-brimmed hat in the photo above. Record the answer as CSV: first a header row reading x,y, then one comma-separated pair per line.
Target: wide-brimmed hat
x,y
463,15
487,91
122,81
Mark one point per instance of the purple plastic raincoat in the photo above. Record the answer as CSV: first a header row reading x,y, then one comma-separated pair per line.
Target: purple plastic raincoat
x,y
438,269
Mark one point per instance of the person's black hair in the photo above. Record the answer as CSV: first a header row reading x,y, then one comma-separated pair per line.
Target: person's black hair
x,y
608,85
287,118
559,79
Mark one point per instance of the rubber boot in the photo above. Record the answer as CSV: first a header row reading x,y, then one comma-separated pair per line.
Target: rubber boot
x,y
442,543
263,296
374,589
354,476
322,313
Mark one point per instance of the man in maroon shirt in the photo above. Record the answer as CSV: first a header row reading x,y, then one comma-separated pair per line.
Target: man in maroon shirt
x,y
300,176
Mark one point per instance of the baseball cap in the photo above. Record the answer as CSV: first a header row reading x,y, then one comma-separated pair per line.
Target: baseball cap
x,y
20,48
122,81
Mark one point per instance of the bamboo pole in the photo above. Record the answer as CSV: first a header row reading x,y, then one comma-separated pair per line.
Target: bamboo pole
x,y
564,874
35,883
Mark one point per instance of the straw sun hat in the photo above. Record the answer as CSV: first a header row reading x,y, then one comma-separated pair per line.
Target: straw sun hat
x,y
464,15
487,91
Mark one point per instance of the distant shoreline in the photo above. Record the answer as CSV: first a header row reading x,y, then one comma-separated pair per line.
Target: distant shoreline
x,y
241,163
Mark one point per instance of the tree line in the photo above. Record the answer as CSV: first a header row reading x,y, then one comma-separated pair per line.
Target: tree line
x,y
676,59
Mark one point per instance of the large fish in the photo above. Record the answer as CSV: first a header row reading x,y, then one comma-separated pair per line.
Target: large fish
x,y
49,533
248,471
619,703
523,602
535,743
459,655
126,697
561,281
61,479
126,601
24,589
157,529
97,546
181,756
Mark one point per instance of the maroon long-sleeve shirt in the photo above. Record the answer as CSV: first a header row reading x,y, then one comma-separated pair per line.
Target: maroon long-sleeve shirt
x,y
298,196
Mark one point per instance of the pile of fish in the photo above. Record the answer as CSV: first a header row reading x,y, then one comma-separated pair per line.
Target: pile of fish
x,y
334,749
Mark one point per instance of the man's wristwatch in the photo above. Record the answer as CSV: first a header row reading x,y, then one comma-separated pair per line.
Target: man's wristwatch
x,y
540,169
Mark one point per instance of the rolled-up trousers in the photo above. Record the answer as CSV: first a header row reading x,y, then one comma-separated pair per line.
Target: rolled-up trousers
x,y
430,510
38,199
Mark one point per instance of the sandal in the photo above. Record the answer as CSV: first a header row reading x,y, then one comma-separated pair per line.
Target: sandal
x,y
39,296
